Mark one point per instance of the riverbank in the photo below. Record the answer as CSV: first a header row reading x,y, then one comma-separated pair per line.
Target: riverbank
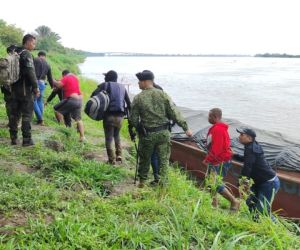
x,y
60,194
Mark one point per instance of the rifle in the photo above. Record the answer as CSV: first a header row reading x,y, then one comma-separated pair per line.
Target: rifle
x,y
133,138
137,161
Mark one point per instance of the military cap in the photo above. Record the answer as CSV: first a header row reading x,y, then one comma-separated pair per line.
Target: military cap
x,y
145,75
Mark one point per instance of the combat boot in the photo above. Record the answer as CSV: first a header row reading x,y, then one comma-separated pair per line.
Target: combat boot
x,y
14,141
141,184
27,142
13,138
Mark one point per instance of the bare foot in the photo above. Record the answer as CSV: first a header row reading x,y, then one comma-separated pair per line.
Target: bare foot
x,y
235,205
82,139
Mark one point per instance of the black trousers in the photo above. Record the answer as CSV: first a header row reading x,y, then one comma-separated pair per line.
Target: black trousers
x,y
21,107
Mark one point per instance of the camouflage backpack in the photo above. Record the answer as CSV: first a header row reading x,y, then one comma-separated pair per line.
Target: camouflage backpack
x,y
10,69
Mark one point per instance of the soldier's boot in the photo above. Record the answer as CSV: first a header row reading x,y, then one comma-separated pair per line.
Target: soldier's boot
x,y
27,142
13,129
13,137
119,152
111,156
14,140
141,184
26,132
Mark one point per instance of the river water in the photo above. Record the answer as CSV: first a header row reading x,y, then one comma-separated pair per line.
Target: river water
x,y
261,92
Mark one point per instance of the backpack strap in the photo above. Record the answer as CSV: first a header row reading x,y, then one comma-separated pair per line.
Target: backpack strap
x,y
21,51
107,88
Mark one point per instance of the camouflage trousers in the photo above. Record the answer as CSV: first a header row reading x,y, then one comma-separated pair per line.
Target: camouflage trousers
x,y
20,108
7,99
160,142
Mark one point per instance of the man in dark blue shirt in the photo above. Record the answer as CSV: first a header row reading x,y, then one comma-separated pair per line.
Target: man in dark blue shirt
x,y
113,118
42,69
266,183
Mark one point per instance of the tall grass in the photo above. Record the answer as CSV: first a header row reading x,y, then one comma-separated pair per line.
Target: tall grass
x,y
65,201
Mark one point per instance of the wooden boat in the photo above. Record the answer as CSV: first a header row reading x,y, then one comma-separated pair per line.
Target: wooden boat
x,y
287,200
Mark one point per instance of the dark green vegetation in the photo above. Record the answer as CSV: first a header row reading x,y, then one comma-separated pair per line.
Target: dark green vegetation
x,y
60,194
9,34
58,56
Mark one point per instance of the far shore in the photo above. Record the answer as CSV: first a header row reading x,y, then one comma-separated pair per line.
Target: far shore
x,y
125,54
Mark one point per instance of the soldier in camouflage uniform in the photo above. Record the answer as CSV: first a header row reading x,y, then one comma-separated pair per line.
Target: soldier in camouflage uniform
x,y
21,104
6,89
150,114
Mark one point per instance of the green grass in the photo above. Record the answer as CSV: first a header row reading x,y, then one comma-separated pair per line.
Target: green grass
x,y
63,200
60,62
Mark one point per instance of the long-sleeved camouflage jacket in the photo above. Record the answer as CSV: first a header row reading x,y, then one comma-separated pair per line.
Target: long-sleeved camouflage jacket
x,y
154,108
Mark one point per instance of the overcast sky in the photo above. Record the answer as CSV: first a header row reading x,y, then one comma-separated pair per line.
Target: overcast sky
x,y
165,26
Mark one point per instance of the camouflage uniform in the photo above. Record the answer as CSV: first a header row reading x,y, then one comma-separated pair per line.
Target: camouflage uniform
x,y
7,98
153,108
21,104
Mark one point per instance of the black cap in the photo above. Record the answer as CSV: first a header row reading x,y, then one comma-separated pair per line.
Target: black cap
x,y
65,72
42,53
111,76
145,75
247,131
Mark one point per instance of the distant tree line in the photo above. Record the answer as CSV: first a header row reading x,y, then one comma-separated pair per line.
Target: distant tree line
x,y
277,55
9,34
91,54
47,39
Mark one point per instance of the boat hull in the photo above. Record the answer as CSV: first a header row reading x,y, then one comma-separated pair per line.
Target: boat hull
x,y
287,200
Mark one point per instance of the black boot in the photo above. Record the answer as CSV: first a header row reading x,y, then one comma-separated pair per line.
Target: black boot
x,y
27,142
13,138
14,141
